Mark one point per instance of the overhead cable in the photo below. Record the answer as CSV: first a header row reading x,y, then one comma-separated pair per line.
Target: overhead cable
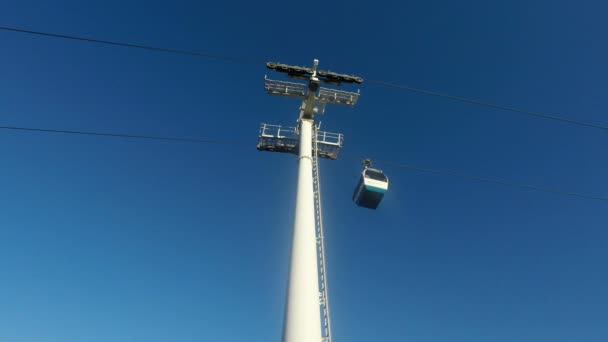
x,y
259,62
490,105
136,46
243,143
128,136
491,180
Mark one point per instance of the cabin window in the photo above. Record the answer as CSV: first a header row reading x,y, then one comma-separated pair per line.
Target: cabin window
x,y
375,175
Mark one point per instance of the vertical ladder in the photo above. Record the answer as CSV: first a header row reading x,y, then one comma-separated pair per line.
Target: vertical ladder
x,y
323,292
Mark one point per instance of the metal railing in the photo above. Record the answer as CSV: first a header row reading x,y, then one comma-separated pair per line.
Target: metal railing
x,y
338,96
275,87
286,139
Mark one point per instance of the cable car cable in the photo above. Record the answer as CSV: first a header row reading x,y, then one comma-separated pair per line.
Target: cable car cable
x,y
492,180
129,136
243,143
136,46
490,105
258,62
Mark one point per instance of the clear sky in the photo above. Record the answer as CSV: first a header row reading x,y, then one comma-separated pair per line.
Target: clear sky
x,y
120,240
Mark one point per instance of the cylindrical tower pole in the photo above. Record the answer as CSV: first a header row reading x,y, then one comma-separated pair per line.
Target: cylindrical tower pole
x,y
302,313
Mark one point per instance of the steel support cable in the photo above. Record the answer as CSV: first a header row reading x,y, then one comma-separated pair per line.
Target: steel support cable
x,y
243,143
136,46
491,180
490,105
259,62
128,136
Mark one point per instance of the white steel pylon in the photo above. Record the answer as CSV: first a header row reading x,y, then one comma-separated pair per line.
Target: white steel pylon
x,y
307,306
323,291
302,315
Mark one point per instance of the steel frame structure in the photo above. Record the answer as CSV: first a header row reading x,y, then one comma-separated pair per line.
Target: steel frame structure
x,y
307,316
276,138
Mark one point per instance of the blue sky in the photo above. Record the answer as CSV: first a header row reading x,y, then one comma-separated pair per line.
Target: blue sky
x,y
120,240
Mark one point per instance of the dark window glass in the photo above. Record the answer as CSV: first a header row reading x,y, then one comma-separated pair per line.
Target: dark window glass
x,y
375,175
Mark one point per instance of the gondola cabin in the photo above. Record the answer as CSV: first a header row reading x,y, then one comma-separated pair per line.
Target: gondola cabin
x,y
371,188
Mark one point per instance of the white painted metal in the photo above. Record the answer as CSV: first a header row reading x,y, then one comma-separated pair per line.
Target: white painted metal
x,y
307,295
375,183
291,89
335,96
323,291
302,314
277,138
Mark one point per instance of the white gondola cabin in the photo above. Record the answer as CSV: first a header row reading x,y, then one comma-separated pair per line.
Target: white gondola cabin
x,y
371,188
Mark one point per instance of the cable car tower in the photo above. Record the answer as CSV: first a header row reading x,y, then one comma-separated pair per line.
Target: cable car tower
x,y
307,307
